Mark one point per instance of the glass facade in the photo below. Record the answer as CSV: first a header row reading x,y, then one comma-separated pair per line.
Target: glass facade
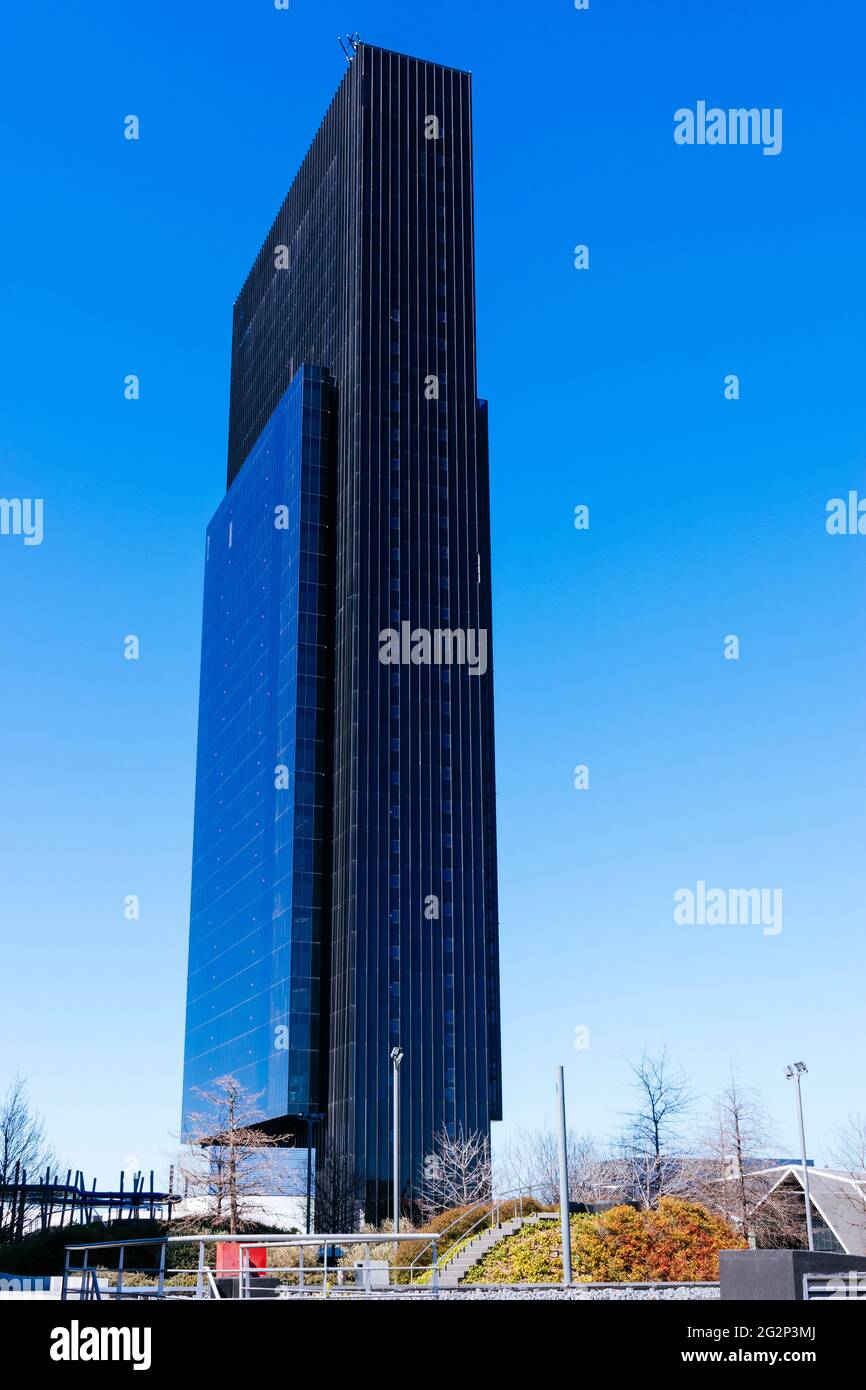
x,y
260,844
368,273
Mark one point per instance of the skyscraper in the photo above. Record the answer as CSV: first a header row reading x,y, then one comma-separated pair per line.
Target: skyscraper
x,y
344,896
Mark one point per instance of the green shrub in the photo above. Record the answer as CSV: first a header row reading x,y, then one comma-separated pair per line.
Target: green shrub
x,y
44,1252
675,1241
458,1222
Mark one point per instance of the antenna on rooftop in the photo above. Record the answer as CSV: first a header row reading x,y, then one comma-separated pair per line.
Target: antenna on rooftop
x,y
352,40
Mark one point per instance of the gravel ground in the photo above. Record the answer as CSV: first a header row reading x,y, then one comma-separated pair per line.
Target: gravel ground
x,y
586,1294
621,1293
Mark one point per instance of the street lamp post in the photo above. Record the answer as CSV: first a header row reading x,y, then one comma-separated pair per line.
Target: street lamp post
x,y
309,1168
794,1073
311,1118
564,1213
396,1058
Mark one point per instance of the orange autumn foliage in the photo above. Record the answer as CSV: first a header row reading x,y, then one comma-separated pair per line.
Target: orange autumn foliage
x,y
674,1241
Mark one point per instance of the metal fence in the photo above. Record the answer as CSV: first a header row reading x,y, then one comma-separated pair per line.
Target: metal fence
x,y
29,1204
86,1279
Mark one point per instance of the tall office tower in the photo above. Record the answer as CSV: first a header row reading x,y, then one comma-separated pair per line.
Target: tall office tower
x,y
344,898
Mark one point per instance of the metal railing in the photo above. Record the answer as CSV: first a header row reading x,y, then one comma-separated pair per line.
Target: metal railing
x,y
328,1276
487,1207
81,1280
87,1274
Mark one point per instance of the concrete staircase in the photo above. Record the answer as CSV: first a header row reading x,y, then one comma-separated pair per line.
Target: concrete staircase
x,y
452,1271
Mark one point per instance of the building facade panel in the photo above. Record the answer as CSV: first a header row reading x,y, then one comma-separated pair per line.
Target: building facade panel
x,y
261,851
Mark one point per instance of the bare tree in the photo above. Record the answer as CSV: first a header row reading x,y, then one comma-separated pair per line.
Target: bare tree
x,y
529,1163
663,1099
25,1151
458,1173
642,1176
739,1137
647,1150
849,1147
338,1189
227,1164
849,1155
778,1219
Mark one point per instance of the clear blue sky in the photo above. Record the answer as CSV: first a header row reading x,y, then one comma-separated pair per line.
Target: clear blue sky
x,y
605,388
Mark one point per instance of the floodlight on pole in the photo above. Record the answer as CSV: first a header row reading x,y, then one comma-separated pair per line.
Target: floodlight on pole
x,y
794,1073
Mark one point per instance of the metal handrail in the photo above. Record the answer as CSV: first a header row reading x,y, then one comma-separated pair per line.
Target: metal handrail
x,y
88,1275
491,1206
352,1238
